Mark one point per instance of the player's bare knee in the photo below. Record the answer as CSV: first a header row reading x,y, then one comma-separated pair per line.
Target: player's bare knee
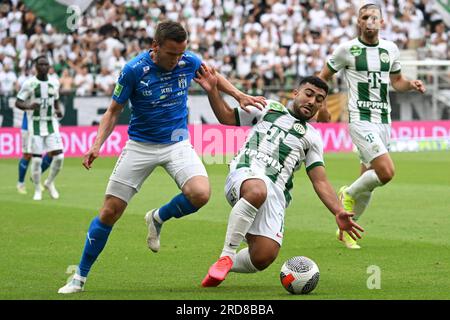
x,y
254,192
385,175
262,261
112,210
198,196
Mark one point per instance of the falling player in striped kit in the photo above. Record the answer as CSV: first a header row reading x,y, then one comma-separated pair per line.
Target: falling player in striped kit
x,y
368,64
260,181
38,97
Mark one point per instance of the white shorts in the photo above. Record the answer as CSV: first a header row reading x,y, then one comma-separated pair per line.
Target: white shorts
x,y
138,160
269,221
40,144
371,139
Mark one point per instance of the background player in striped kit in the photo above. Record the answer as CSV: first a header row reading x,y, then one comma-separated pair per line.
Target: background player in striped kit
x,y
24,161
369,64
38,97
261,175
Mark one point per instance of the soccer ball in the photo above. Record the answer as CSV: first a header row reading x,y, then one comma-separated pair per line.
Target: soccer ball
x,y
299,275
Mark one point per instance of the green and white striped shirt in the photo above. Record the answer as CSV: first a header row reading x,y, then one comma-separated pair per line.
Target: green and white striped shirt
x,y
277,145
42,121
366,69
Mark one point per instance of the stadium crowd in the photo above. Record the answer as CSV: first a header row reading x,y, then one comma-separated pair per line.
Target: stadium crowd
x,y
257,44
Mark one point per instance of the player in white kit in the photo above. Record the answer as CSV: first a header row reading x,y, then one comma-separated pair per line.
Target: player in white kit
x,y
38,97
261,175
369,64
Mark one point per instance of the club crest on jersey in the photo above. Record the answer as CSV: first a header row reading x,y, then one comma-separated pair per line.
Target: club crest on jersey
x,y
146,69
182,82
384,57
298,127
181,64
355,50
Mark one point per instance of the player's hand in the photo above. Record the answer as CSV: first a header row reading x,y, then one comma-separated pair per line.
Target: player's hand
x,y
345,223
323,115
34,106
89,157
206,78
418,86
245,101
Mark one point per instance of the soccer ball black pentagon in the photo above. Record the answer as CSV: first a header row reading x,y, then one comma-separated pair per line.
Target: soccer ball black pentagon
x,y
299,275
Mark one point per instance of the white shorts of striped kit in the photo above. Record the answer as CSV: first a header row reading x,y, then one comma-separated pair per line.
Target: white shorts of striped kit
x,y
269,221
40,144
371,139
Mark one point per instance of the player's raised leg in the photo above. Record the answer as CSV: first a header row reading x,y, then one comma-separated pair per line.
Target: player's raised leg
x,y
359,193
96,238
184,166
195,194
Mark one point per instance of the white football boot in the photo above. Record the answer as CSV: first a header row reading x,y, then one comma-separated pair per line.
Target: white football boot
x,y
75,285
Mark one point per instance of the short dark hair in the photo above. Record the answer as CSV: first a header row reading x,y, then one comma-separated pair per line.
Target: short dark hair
x,y
42,56
367,6
169,30
315,81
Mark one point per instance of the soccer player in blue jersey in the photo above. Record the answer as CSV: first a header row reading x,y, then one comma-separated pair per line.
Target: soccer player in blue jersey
x,y
156,83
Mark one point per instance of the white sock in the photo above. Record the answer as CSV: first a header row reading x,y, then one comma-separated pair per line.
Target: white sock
x,y
157,217
241,218
242,262
361,203
366,182
36,171
55,167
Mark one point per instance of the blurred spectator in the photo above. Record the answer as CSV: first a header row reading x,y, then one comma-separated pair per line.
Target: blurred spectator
x,y
84,82
104,83
8,81
283,40
67,82
439,42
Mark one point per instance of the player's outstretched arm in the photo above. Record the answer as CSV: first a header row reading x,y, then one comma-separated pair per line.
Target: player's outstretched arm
x,y
207,79
107,124
401,84
327,195
244,100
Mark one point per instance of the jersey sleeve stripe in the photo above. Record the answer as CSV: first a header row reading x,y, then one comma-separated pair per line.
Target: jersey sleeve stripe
x,y
330,67
315,164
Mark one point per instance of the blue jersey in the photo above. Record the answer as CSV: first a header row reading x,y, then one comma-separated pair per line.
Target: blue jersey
x,y
158,97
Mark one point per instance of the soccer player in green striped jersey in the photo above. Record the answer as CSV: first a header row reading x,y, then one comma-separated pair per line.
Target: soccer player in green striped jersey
x,y
260,181
369,64
38,97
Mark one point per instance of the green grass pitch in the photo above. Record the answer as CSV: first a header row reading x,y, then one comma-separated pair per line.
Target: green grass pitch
x,y
407,237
